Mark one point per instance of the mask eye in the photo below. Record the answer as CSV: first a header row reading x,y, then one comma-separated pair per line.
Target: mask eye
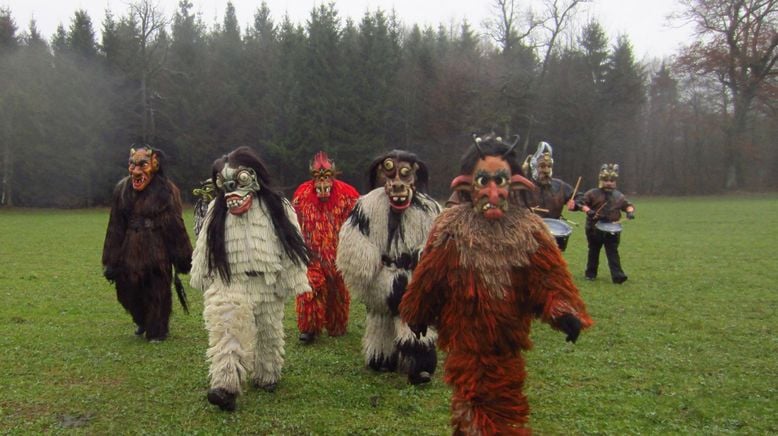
x,y
220,181
481,180
244,178
405,171
388,165
500,180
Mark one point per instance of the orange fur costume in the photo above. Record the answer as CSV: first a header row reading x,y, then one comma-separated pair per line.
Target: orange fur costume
x,y
327,305
486,272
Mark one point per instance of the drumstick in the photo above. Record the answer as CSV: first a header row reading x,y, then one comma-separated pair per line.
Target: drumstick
x,y
575,191
597,212
539,209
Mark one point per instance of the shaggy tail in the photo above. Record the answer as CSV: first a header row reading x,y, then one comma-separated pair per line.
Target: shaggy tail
x,y
181,293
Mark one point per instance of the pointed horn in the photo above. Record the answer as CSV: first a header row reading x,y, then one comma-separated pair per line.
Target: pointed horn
x,y
510,149
476,142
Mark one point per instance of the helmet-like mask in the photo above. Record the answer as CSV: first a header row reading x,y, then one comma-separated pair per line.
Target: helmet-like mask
x,y
323,173
143,165
239,185
609,174
542,164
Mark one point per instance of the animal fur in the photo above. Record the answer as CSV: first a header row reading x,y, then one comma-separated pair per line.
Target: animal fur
x,y
145,238
481,283
327,305
244,313
377,253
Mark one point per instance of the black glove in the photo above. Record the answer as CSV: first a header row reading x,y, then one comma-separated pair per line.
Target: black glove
x,y
110,273
591,213
630,215
571,325
418,329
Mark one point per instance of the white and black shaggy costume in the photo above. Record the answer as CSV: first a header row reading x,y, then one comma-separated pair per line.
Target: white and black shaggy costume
x,y
378,249
248,260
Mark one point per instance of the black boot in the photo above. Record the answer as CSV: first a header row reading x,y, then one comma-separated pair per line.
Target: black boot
x,y
419,378
267,387
222,398
307,338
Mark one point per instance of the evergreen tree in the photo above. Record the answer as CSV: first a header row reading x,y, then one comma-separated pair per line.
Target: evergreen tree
x,y
81,37
623,89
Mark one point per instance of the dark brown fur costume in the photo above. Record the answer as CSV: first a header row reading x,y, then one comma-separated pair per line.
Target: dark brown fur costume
x,y
146,237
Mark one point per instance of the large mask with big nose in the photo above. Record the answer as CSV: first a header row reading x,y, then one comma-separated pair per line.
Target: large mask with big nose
x,y
143,164
399,182
239,185
491,187
487,179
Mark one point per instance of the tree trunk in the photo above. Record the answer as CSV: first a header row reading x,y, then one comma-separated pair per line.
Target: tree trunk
x,y
735,143
6,197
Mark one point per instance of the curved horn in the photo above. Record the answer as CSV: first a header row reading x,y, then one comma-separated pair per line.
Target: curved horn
x,y
512,146
476,142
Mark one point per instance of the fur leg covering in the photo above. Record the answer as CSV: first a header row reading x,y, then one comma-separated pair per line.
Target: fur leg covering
x,y
416,354
130,297
269,351
487,397
149,302
229,319
158,300
338,302
378,342
310,312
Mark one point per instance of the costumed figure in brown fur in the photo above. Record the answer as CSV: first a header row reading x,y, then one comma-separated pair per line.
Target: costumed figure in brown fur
x,y
145,239
378,250
489,268
322,205
249,259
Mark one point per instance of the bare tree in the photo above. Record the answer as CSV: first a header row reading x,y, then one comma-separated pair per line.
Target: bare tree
x,y
738,44
556,17
507,29
151,55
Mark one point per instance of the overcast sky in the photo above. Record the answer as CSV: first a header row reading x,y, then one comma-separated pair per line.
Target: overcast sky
x,y
644,21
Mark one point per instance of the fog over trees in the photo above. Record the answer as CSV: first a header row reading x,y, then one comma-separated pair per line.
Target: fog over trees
x,y
703,122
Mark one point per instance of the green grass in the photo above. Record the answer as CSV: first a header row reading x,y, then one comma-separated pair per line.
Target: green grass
x,y
687,346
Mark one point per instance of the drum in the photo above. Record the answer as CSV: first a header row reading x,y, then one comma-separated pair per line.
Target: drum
x,y
560,230
608,227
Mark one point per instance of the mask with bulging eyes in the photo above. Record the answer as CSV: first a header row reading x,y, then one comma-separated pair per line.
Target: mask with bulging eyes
x,y
239,185
399,182
491,187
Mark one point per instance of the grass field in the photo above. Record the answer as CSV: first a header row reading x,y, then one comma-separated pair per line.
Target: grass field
x,y
689,345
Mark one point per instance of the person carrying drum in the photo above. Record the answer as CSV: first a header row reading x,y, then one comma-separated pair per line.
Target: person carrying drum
x,y
603,206
550,195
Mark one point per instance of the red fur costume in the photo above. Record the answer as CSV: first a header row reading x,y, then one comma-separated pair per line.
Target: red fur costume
x,y
486,272
322,205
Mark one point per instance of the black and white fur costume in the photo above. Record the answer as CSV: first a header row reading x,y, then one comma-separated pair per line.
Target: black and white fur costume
x,y
377,253
244,317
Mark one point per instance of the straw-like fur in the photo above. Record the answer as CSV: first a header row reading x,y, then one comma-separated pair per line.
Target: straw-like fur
x,y
365,238
244,316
